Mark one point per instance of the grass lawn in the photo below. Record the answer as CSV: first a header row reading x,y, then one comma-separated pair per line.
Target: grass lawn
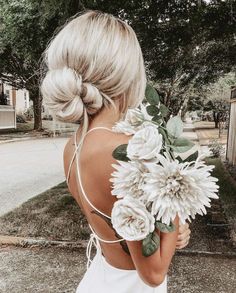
x,y
20,127
227,190
52,214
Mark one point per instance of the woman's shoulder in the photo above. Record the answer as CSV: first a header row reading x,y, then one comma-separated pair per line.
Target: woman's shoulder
x,y
99,147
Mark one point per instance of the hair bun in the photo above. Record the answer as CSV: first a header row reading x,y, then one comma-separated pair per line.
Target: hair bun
x,y
92,98
67,97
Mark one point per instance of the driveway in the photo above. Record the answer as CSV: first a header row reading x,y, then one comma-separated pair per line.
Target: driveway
x,y
28,168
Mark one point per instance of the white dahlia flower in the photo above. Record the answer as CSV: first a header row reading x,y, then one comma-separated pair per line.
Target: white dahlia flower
x,y
128,179
182,189
204,152
131,219
145,144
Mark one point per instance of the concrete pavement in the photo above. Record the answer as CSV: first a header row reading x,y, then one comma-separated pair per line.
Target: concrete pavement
x,y
28,168
54,270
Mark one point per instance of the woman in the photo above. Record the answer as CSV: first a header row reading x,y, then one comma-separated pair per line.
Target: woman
x,y
95,73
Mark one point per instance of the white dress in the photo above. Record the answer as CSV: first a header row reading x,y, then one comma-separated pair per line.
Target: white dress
x,y
101,277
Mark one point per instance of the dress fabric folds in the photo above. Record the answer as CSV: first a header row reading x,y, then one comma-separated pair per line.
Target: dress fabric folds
x,y
101,277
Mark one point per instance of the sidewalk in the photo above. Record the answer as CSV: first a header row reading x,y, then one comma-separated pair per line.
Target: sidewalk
x,y
54,270
206,132
28,168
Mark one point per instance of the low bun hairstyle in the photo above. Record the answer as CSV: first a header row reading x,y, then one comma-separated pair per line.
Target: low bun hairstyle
x,y
94,59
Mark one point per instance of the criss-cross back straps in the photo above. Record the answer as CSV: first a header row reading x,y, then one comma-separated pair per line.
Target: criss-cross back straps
x,y
94,238
79,175
78,146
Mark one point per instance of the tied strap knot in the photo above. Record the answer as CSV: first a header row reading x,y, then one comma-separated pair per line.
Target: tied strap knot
x,y
93,241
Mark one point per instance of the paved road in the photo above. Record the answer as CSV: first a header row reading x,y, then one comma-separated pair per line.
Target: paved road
x,y
28,168
54,270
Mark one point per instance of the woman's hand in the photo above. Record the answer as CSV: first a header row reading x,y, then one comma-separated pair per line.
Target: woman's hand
x,y
183,236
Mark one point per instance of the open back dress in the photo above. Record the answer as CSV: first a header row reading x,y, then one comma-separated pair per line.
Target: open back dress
x,y
100,276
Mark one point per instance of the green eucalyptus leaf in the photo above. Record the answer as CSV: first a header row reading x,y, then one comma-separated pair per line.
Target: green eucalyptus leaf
x,y
150,244
151,95
157,119
182,145
164,134
165,228
175,126
192,157
164,110
120,153
152,110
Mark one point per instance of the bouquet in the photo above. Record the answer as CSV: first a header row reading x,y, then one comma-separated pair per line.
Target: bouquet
x,y
153,183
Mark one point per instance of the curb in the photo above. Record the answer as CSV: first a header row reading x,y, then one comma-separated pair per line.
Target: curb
x,y
205,253
82,244
18,139
34,137
32,242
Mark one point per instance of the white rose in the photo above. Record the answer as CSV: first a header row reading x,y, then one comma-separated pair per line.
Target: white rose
x,y
131,123
145,144
134,117
131,219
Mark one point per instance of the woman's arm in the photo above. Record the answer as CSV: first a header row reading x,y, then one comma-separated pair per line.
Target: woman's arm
x,y
153,269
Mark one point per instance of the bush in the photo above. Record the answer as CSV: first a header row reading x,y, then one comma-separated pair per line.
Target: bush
x,y
29,113
20,118
216,148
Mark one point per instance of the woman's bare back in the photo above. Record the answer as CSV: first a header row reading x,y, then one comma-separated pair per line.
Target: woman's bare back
x,y
95,169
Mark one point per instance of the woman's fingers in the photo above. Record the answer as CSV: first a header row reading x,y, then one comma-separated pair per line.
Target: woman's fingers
x,y
183,236
183,228
183,244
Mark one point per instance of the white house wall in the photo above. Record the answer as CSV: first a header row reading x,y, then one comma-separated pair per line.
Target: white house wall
x,y
22,98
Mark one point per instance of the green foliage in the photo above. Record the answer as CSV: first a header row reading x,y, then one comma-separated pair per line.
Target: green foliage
x,y
175,126
185,43
164,110
165,228
120,153
152,110
181,145
151,95
150,244
192,157
216,148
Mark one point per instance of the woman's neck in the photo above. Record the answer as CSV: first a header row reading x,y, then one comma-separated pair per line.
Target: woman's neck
x,y
106,118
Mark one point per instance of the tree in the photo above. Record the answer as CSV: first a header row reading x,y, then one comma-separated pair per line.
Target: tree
x,y
26,27
217,98
214,98
186,44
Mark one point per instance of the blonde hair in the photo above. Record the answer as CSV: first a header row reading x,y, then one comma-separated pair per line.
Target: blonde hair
x,y
94,59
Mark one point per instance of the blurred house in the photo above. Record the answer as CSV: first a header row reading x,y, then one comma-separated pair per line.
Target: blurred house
x,y
12,101
231,143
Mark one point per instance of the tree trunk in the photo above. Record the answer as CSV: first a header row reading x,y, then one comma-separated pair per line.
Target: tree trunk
x,y
216,119
37,105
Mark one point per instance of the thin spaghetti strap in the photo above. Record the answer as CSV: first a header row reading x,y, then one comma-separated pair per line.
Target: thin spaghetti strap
x,y
78,172
94,238
77,147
